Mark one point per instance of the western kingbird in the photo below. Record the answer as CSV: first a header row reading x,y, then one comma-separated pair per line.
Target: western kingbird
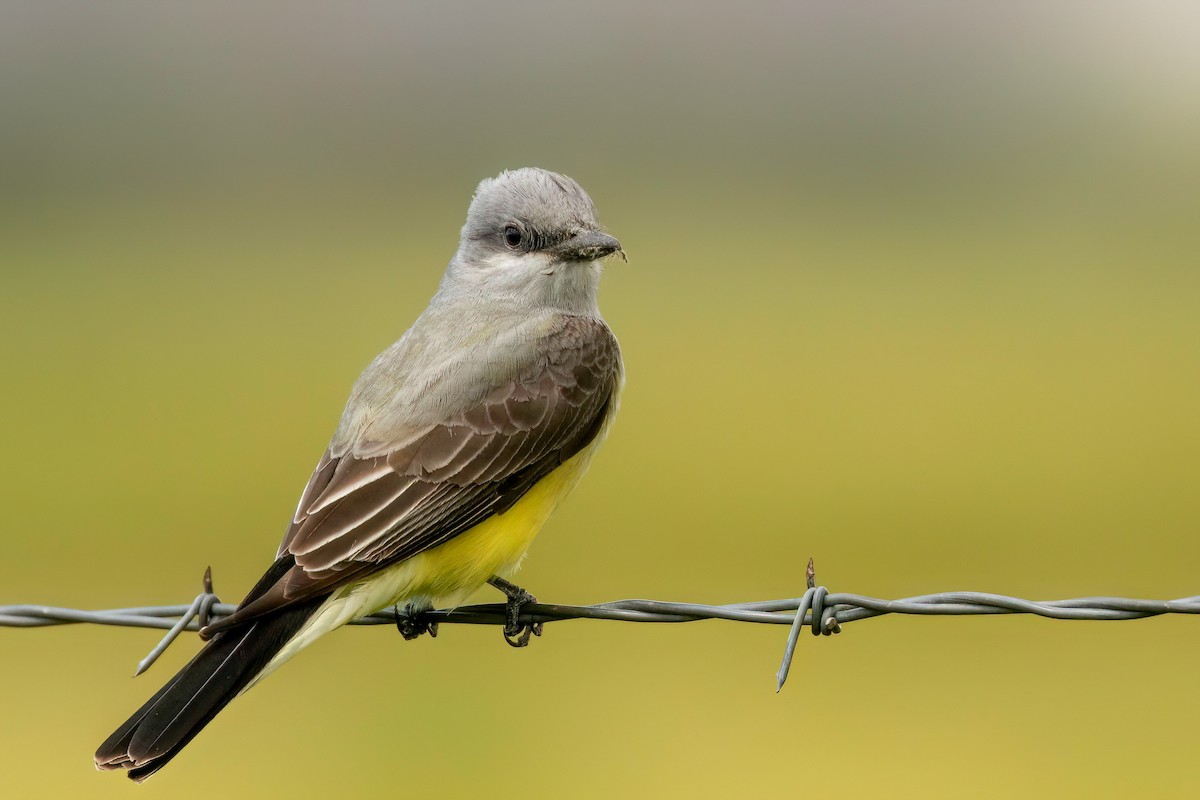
x,y
455,446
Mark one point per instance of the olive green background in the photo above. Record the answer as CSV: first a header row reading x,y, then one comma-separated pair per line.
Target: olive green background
x,y
913,289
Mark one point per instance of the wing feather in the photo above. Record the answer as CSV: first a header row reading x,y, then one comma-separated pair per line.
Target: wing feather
x,y
346,517
350,476
349,545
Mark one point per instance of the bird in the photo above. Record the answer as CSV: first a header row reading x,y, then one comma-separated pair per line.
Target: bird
x,y
456,444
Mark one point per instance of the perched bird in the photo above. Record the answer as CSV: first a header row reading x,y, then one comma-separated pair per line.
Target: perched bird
x,y
457,443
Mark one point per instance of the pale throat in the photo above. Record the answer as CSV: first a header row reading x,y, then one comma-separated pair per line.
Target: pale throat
x,y
538,280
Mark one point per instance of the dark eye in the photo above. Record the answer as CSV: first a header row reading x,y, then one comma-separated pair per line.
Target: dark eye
x,y
512,236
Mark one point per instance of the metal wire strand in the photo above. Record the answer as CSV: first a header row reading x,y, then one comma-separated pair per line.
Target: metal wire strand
x,y
824,612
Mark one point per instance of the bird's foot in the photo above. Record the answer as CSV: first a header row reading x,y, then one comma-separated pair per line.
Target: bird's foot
x,y
516,633
412,622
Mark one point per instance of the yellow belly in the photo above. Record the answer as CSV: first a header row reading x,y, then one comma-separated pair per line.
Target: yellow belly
x,y
493,547
448,572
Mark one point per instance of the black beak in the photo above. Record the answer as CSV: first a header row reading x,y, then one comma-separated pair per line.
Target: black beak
x,y
586,246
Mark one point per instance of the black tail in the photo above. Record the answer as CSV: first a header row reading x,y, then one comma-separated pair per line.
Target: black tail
x,y
181,709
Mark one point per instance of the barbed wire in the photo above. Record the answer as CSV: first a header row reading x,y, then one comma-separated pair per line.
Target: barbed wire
x,y
820,610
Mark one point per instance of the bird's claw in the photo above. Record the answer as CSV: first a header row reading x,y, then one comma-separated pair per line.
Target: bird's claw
x,y
519,636
516,633
411,622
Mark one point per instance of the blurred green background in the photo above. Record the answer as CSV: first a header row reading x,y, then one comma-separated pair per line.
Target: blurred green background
x,y
913,289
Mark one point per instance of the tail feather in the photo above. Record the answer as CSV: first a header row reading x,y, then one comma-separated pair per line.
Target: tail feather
x,y
180,710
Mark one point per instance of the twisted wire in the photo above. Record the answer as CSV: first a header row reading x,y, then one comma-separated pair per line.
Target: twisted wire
x,y
822,611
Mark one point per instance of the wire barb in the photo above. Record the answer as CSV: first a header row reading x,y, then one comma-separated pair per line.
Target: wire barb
x,y
200,610
820,617
824,611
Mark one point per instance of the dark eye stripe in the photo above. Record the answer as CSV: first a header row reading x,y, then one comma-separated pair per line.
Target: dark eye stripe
x,y
528,239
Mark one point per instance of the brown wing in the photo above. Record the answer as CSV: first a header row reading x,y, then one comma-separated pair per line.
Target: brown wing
x,y
358,515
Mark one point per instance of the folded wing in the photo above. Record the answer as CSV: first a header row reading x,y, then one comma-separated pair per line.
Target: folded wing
x,y
360,515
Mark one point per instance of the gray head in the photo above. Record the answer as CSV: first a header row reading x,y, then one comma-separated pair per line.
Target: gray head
x,y
532,236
